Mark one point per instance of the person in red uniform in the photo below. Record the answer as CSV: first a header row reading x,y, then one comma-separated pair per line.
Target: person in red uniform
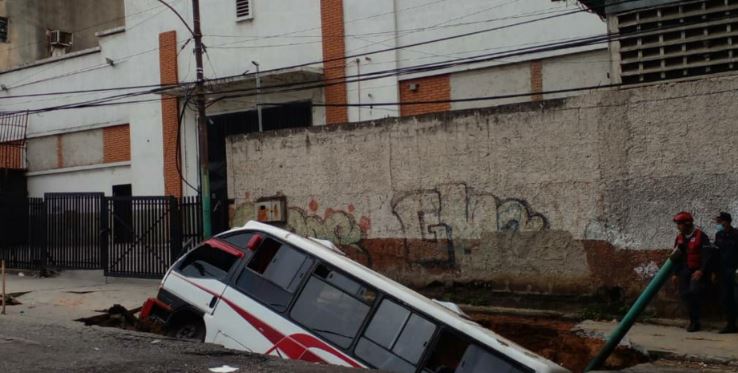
x,y
693,255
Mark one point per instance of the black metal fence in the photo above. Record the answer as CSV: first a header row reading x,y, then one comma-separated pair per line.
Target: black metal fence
x,y
21,231
124,236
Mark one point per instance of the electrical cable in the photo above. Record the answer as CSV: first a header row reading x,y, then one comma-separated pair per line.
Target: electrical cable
x,y
452,37
178,162
428,67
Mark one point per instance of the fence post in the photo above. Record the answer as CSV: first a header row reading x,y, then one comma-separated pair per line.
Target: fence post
x,y
175,229
104,234
2,264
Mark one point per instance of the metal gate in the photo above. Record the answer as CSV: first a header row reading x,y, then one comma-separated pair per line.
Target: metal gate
x,y
145,235
22,222
73,230
124,236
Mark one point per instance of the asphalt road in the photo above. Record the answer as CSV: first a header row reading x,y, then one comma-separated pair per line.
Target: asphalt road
x,y
29,346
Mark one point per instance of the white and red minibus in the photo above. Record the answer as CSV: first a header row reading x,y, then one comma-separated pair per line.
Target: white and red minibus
x,y
263,289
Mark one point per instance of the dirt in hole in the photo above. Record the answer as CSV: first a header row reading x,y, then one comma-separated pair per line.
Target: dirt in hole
x,y
118,316
556,341
11,299
553,339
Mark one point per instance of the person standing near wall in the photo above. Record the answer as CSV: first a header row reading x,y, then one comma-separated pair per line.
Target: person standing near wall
x,y
693,255
726,240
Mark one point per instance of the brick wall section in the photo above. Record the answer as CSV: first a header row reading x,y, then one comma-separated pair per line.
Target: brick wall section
x,y
117,144
11,156
334,49
536,80
432,88
59,152
169,112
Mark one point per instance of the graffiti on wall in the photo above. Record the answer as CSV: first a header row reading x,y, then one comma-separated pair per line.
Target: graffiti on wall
x,y
337,226
454,217
446,228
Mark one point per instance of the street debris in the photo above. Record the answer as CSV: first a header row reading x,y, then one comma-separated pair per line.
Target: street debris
x,y
118,316
223,369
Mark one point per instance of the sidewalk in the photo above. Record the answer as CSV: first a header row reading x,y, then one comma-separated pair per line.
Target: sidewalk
x,y
75,294
671,342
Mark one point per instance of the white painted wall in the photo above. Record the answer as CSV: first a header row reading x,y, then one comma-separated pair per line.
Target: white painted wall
x,y
370,26
423,20
585,69
99,180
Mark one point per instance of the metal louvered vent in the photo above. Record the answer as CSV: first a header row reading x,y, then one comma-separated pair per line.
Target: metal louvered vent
x,y
243,9
679,40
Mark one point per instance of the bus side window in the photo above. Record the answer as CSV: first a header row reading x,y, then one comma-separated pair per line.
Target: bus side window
x,y
239,239
207,262
453,354
274,273
395,339
333,306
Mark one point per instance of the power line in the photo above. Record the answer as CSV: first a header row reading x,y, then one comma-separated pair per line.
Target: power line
x,y
386,49
428,67
365,76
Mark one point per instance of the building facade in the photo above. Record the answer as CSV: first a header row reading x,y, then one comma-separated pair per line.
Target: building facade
x,y
318,62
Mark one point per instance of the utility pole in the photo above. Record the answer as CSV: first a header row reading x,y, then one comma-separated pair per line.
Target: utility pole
x,y
202,126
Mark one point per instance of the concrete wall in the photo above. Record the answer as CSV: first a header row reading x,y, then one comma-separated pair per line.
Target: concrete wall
x,y
30,19
563,195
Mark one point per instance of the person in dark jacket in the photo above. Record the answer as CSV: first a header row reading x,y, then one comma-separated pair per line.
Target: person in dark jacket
x,y
726,241
693,254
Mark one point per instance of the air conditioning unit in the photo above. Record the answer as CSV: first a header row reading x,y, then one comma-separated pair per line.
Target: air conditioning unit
x,y
60,39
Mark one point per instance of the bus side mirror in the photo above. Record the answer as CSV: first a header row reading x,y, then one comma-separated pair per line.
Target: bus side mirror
x,y
254,242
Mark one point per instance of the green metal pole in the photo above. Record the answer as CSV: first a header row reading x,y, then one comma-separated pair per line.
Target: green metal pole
x,y
207,224
640,304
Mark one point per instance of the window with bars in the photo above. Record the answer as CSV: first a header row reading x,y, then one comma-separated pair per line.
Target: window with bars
x,y
244,10
3,30
684,39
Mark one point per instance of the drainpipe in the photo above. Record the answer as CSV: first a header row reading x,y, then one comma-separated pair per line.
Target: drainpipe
x,y
358,85
640,304
258,96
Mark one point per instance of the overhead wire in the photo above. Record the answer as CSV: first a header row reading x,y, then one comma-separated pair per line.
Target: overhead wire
x,y
396,71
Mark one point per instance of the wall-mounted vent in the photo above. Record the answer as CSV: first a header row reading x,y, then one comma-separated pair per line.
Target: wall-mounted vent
x,y
244,10
685,39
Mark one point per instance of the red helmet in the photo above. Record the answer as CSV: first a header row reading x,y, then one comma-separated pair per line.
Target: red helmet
x,y
683,217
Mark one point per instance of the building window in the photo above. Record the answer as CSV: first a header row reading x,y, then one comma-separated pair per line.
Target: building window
x,y
3,30
244,10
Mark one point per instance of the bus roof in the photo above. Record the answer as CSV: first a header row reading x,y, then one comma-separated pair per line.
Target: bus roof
x,y
410,297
